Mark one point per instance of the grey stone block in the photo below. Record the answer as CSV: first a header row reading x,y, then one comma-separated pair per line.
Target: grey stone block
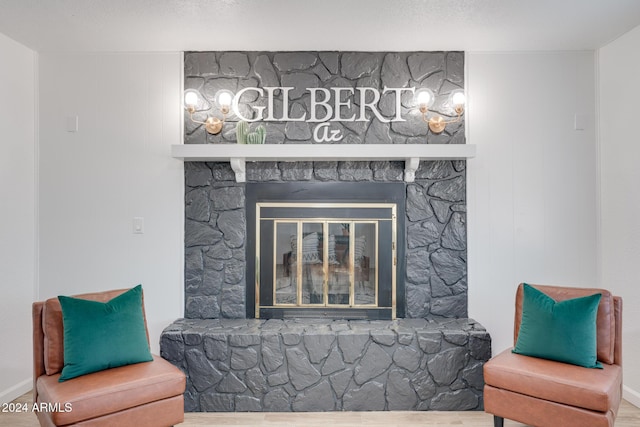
x,y
202,307
278,378
480,345
172,346
263,171
276,401
248,404
441,209
318,345
407,357
418,266
340,381
200,234
373,363
215,402
265,72
418,301
357,64
422,234
227,198
462,400
445,366
384,337
435,169
256,382
200,64
243,358
234,272
215,347
424,385
292,61
315,399
301,371
325,171
352,345
452,190
330,60
297,131
272,355
454,235
231,384
395,72
452,306
456,337
400,394
218,251
296,171
369,397
234,64
333,363
455,67
378,133
212,281
300,82
448,265
202,374
418,208
424,63
354,171
232,225
473,375
197,205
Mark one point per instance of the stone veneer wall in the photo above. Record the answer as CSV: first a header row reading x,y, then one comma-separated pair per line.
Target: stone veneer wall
x,y
430,360
436,253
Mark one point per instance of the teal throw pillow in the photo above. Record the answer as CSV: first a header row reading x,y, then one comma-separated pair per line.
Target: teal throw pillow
x,y
100,335
564,331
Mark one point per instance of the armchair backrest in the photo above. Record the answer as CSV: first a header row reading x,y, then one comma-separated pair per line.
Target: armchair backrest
x,y
48,332
608,322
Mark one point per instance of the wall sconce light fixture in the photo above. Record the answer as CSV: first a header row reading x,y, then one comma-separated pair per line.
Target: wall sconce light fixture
x,y
223,98
425,98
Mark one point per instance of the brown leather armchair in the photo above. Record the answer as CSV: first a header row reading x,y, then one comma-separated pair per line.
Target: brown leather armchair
x,y
545,393
142,394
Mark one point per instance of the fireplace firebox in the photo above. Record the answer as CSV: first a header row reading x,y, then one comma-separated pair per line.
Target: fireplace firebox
x,y
325,250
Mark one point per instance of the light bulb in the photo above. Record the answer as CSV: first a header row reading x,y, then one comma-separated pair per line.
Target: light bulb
x,y
458,98
191,98
224,98
424,97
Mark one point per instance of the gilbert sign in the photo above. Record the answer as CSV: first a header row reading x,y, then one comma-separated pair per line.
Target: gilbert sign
x,y
326,107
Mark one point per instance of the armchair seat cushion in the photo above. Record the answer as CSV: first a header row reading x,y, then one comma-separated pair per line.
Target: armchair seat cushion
x,y
110,391
593,389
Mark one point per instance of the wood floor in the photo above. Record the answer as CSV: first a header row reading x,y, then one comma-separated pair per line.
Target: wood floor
x,y
629,416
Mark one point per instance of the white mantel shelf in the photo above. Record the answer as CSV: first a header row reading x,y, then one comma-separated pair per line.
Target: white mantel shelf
x,y
238,154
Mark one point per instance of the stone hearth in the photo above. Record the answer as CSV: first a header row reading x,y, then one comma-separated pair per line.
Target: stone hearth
x,y
323,365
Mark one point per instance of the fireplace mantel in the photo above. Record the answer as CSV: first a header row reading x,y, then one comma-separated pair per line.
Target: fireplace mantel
x,y
238,154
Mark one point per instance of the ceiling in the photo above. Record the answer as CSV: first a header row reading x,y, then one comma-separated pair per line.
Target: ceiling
x,y
368,25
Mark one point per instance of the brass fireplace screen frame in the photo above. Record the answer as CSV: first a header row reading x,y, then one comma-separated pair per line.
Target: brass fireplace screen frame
x,y
315,213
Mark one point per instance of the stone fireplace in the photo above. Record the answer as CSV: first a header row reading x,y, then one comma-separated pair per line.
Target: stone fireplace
x,y
244,352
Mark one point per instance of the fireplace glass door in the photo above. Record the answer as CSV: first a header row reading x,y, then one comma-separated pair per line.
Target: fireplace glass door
x,y
318,259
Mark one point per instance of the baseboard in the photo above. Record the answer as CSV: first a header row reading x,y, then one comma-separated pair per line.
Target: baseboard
x,y
16,391
631,396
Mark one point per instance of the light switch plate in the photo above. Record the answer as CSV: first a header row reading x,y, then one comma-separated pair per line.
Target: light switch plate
x,y
72,124
138,225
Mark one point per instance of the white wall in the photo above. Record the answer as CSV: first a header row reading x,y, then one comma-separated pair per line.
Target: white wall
x,y
116,167
619,64
17,215
532,186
